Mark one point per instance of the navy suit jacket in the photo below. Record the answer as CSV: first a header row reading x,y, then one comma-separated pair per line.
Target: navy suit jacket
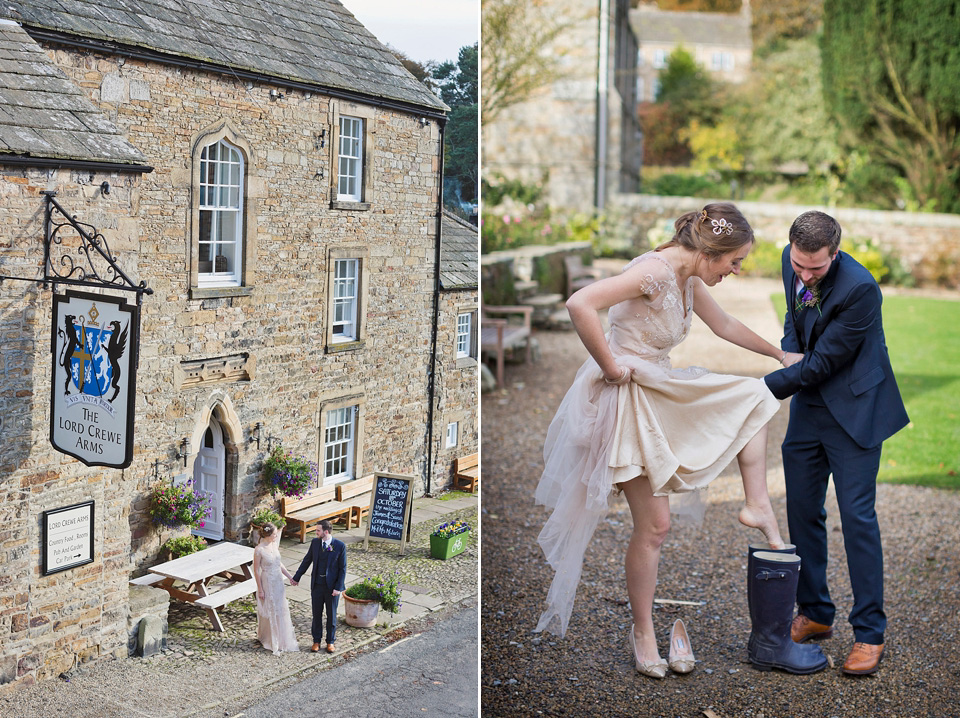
x,y
845,353
336,572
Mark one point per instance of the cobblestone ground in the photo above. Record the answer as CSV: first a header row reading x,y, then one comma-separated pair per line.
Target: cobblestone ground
x,y
449,581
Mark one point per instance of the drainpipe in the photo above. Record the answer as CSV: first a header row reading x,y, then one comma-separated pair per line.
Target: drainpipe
x,y
603,62
432,375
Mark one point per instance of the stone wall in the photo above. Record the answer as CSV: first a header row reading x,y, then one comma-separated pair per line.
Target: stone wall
x,y
49,623
911,235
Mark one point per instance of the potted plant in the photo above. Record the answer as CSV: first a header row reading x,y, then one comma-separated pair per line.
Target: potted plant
x,y
265,516
449,539
364,599
178,505
183,546
288,474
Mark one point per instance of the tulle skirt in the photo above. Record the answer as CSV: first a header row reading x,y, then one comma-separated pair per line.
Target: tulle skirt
x,y
676,428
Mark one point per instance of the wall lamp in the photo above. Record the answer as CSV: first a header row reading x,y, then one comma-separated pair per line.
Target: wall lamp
x,y
275,94
184,451
255,434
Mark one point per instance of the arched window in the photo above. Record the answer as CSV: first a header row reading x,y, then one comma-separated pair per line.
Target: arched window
x,y
220,236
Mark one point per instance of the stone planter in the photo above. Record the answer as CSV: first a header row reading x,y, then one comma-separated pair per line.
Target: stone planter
x,y
444,548
360,613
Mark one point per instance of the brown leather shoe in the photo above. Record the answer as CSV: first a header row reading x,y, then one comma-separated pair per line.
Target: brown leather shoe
x,y
315,647
331,648
863,659
803,629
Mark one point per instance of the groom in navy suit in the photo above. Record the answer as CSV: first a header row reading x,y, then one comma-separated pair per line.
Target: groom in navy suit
x,y
328,557
845,403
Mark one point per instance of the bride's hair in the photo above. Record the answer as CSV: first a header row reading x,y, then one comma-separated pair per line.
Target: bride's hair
x,y
713,231
267,531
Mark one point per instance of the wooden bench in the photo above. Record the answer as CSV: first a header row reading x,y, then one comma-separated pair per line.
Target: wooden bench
x,y
356,494
498,336
221,598
466,473
303,515
146,580
578,274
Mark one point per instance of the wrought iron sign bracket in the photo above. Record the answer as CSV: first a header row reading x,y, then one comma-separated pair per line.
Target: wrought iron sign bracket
x,y
96,267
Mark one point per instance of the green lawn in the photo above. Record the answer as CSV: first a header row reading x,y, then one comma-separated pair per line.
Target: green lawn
x,y
923,336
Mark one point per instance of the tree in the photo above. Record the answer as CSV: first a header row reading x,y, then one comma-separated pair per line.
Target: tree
x,y
423,72
891,76
688,88
777,20
515,64
458,87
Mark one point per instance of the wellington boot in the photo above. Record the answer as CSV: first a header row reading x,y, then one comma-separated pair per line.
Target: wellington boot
x,y
773,586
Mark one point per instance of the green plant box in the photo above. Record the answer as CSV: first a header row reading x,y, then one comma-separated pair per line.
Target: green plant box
x,y
444,548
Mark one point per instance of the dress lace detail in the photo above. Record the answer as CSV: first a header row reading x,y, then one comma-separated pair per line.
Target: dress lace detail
x,y
676,428
274,627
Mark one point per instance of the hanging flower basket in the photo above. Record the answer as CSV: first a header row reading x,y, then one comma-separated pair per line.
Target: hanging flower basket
x,y
175,506
287,474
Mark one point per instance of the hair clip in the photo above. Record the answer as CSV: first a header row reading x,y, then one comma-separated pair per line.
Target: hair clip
x,y
721,225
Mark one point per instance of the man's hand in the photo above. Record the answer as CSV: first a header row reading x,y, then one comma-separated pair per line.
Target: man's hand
x,y
335,592
791,358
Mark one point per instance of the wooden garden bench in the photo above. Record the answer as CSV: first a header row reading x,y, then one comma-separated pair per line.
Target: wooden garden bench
x,y
221,598
578,274
356,494
466,473
302,515
497,336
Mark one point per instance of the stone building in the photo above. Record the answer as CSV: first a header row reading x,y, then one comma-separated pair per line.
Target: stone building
x,y
581,132
721,43
272,175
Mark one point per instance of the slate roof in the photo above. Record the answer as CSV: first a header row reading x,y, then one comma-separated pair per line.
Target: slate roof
x,y
458,253
43,114
318,42
691,28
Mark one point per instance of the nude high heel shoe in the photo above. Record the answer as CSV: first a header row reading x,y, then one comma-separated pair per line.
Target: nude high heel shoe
x,y
681,653
657,669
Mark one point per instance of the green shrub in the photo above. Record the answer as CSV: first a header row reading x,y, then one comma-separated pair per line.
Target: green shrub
x,y
686,185
267,516
763,260
386,591
184,545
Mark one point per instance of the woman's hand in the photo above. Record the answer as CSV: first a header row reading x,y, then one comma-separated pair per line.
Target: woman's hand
x,y
622,378
790,358
260,594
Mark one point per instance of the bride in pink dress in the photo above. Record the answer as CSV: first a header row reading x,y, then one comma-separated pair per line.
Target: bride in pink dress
x,y
274,627
632,423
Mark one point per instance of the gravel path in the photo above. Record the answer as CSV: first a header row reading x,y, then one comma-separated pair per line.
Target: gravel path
x,y
590,671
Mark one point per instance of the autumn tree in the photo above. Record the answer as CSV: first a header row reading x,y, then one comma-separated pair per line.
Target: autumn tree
x,y
516,61
891,76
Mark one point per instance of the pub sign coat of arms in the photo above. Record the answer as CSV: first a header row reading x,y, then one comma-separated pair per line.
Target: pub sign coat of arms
x,y
92,398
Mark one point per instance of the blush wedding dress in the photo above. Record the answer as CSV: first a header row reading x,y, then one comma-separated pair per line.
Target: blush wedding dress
x,y
676,428
274,627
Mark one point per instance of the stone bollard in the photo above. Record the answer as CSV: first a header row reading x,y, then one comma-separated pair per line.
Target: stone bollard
x,y
147,620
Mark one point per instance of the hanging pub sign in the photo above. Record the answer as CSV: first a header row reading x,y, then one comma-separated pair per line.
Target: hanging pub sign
x,y
94,343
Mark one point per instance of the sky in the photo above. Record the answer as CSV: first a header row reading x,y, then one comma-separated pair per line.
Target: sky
x,y
423,29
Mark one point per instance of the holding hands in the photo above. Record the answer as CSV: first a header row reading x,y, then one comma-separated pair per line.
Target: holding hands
x,y
790,358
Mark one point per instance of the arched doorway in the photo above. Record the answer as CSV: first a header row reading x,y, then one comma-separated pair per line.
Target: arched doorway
x,y
209,478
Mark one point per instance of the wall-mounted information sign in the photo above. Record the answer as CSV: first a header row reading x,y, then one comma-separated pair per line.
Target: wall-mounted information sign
x,y
67,537
94,340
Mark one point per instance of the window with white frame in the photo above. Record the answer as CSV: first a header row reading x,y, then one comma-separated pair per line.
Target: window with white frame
x,y
346,286
453,434
220,236
350,160
721,61
464,332
660,59
339,444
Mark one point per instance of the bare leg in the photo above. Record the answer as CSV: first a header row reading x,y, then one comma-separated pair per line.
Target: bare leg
x,y
758,513
651,521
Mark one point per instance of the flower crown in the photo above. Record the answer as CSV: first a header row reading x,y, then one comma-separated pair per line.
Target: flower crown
x,y
719,225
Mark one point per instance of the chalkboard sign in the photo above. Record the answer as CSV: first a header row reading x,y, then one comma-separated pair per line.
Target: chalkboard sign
x,y
390,504
67,537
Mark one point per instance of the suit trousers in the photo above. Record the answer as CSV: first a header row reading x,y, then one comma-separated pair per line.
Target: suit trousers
x,y
323,600
815,447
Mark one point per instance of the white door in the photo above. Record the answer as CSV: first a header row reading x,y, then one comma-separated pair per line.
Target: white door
x,y
208,478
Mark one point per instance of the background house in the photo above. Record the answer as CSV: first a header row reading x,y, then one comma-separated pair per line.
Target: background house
x,y
580,133
272,173
720,43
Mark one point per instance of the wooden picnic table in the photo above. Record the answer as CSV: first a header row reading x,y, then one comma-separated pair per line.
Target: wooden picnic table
x,y
198,569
